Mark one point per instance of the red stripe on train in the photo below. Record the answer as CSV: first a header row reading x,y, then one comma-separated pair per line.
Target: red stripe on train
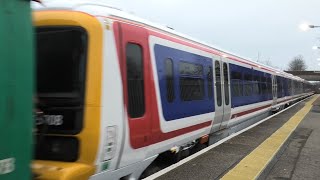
x,y
249,111
254,109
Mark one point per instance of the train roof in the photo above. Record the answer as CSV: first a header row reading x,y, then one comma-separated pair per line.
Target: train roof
x,y
107,10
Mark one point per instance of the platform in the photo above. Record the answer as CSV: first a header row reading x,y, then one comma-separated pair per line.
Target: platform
x,y
301,156
285,146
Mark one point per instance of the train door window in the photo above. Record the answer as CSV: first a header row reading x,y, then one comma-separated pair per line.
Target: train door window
x,y
279,86
210,82
169,80
236,84
191,81
247,85
218,83
135,80
226,83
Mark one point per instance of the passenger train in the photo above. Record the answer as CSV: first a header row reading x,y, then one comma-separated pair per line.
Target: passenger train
x,y
114,91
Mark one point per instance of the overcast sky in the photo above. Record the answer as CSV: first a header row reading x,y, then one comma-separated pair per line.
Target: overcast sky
x,y
246,27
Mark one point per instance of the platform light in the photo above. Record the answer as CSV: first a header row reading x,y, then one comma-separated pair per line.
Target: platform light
x,y
318,59
314,26
315,47
304,27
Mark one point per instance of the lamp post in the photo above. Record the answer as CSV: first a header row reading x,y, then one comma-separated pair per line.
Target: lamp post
x,y
314,26
306,27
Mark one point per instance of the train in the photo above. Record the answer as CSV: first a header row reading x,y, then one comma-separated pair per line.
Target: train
x,y
115,92
16,89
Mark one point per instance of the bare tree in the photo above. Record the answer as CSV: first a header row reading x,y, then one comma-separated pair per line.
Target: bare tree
x,y
268,62
297,64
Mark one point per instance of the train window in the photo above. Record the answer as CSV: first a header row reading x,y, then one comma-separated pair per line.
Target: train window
x,y
186,68
169,80
226,83
248,77
190,96
61,66
247,88
135,80
256,78
210,83
236,75
269,85
191,88
264,88
263,85
279,86
191,81
236,84
285,86
290,87
247,85
61,49
218,83
269,80
256,86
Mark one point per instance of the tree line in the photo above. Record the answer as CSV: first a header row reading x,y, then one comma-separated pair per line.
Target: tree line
x,y
297,64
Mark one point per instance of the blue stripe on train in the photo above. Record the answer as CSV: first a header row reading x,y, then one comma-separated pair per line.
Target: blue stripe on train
x,y
237,101
179,108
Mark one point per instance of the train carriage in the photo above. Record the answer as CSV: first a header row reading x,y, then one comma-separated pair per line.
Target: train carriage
x,y
117,91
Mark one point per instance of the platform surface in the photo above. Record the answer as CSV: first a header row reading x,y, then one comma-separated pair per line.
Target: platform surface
x,y
299,157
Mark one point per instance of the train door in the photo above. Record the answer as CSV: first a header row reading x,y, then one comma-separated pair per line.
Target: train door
x,y
134,60
274,90
221,94
226,93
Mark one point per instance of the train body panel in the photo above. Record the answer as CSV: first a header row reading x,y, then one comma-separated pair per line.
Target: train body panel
x,y
152,90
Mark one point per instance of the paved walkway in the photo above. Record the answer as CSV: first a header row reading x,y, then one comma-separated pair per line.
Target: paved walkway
x,y
301,157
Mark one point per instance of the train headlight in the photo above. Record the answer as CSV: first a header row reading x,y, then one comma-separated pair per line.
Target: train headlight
x,y
57,148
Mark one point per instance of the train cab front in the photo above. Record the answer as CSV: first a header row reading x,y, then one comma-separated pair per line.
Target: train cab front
x,y
68,74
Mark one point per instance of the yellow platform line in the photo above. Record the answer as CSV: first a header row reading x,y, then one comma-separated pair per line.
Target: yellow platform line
x,y
253,164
